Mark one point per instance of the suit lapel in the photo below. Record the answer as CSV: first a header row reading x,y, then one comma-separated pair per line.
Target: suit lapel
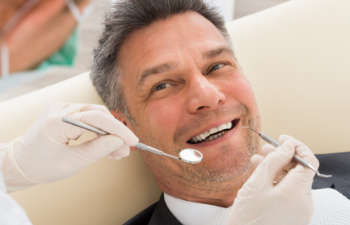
x,y
162,215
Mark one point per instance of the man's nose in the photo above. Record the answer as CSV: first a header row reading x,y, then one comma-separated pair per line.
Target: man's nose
x,y
204,95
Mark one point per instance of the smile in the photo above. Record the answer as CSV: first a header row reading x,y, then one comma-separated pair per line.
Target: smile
x,y
213,133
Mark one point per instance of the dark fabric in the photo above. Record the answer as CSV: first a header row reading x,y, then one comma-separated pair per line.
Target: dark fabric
x,y
143,217
156,214
162,215
337,164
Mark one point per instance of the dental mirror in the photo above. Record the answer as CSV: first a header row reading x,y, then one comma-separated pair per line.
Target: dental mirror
x,y
187,155
191,155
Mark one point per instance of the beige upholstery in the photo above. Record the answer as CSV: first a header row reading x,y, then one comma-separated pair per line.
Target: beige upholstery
x,y
297,58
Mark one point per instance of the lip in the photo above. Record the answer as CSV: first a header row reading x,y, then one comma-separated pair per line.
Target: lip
x,y
228,134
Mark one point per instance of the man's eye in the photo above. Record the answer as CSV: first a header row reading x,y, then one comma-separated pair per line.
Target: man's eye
x,y
216,67
160,86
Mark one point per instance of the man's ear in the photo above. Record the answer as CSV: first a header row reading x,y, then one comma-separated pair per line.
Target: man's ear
x,y
120,116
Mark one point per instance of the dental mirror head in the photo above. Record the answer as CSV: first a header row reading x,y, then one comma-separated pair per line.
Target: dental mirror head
x,y
191,156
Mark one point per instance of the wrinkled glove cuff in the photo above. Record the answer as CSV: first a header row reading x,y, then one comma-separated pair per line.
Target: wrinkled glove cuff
x,y
14,177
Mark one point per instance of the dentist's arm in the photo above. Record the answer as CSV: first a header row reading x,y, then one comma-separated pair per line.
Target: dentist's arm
x,y
53,150
11,213
263,201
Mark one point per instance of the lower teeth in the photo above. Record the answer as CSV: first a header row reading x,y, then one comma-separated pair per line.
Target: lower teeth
x,y
212,137
215,136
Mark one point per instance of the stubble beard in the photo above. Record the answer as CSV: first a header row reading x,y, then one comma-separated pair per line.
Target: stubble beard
x,y
236,170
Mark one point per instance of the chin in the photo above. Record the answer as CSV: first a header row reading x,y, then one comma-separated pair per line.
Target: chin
x,y
225,167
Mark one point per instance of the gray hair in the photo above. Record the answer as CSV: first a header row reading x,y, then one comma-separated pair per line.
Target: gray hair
x,y
125,17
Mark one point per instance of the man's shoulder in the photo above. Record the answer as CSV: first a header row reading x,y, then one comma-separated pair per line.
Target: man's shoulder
x,y
156,214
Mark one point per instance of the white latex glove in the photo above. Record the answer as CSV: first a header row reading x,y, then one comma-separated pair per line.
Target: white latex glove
x,y
47,151
10,212
261,201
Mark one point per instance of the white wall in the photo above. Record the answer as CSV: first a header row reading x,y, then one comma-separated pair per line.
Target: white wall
x,y
226,7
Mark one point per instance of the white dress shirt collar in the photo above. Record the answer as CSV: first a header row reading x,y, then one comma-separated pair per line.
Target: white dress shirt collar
x,y
194,213
330,208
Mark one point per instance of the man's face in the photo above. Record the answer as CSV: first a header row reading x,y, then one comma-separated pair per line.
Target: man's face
x,y
183,88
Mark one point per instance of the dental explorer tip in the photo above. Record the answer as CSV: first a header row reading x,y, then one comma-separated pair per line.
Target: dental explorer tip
x,y
251,129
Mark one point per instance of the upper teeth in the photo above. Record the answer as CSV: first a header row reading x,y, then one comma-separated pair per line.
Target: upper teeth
x,y
214,130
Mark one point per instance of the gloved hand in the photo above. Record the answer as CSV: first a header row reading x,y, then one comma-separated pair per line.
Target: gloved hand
x,y
46,153
268,199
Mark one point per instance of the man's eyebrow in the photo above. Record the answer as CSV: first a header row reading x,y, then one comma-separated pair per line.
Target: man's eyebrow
x,y
218,51
164,67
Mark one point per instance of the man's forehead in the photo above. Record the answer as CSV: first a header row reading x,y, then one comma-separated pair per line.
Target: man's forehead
x,y
164,40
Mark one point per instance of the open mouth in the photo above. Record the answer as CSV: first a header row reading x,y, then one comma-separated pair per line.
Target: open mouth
x,y
214,133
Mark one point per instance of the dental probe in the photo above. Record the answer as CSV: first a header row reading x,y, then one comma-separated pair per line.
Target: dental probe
x,y
187,155
297,158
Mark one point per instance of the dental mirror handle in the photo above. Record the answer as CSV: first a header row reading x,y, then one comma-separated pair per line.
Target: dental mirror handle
x,y
148,148
99,131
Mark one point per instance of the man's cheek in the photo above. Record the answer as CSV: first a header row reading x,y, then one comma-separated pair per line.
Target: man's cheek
x,y
242,92
162,117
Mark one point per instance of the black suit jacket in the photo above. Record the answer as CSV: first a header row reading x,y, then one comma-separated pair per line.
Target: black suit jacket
x,y
337,164
156,214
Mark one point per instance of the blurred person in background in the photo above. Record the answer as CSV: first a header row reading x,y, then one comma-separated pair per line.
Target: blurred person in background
x,y
31,31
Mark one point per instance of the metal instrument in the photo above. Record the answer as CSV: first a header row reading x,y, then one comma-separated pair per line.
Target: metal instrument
x,y
295,157
187,155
